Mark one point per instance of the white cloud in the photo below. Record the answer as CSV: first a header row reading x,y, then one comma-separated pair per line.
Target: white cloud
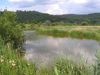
x,y
58,6
21,0
55,9
78,1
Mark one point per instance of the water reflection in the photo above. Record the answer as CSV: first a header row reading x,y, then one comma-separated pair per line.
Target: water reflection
x,y
42,49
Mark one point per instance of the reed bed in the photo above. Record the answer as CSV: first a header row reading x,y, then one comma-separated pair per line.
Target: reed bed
x,y
80,34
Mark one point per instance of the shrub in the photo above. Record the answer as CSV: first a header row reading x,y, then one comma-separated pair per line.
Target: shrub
x,y
9,30
84,24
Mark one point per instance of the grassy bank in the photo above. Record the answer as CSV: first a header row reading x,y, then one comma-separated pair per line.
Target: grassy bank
x,y
88,32
11,63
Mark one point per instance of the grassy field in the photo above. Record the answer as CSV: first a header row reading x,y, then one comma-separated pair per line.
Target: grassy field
x,y
87,32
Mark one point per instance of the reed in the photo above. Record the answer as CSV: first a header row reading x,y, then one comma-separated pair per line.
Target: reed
x,y
80,34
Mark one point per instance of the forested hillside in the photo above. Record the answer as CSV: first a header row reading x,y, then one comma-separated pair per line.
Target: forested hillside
x,y
36,17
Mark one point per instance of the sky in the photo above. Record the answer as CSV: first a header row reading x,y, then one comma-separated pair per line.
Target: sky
x,y
54,7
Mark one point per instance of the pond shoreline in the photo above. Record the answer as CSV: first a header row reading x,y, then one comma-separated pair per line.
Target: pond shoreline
x,y
80,34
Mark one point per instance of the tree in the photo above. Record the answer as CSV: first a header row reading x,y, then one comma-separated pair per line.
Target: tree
x,y
48,22
9,30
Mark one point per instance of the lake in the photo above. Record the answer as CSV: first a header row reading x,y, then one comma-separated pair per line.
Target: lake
x,y
44,49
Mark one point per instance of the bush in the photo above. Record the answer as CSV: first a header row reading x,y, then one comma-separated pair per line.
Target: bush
x,y
84,24
9,30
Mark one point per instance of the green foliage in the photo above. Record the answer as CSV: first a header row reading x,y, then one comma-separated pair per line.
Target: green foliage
x,y
9,30
12,64
84,24
80,34
35,17
47,22
65,66
72,19
97,68
34,21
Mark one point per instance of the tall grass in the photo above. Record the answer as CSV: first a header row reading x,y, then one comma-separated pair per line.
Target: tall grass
x,y
12,64
71,33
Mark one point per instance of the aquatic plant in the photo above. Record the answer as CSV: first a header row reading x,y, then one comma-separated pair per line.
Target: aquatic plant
x,y
80,34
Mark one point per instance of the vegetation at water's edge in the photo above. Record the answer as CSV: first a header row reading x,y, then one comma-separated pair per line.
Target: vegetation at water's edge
x,y
10,30
74,33
11,63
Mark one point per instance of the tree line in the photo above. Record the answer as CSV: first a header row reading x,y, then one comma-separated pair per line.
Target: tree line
x,y
37,17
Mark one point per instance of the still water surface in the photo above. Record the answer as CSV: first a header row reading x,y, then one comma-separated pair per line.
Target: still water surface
x,y
43,49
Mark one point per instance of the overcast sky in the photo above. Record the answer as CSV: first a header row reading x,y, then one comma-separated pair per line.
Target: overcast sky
x,y
53,6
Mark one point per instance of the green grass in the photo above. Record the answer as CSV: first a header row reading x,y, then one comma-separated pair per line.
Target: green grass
x,y
80,33
67,67
12,64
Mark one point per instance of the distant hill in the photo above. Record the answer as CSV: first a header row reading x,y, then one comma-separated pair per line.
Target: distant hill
x,y
93,18
36,17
